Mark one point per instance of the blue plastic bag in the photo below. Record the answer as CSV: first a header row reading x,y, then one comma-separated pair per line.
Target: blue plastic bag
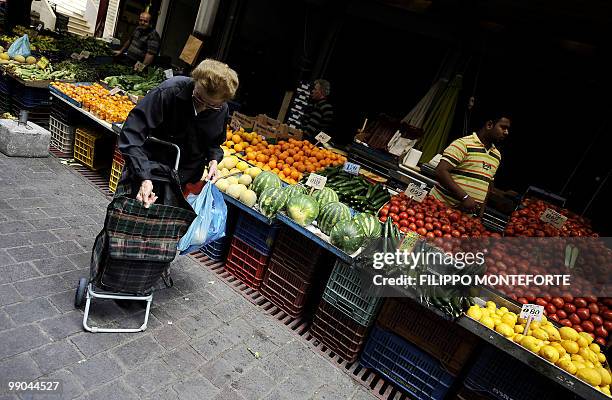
x,y
209,225
20,47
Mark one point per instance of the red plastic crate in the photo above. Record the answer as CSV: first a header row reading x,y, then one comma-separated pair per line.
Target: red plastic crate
x,y
285,289
246,263
337,331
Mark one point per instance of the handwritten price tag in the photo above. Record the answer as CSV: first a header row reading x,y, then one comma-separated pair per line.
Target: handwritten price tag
x,y
532,310
115,90
416,192
85,54
75,56
39,27
553,218
168,73
133,98
351,168
322,137
316,181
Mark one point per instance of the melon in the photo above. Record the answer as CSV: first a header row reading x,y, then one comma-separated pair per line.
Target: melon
x,y
236,190
253,171
370,224
222,184
31,60
348,236
271,201
294,190
242,166
232,180
248,197
245,179
325,196
331,214
20,59
303,209
265,180
4,56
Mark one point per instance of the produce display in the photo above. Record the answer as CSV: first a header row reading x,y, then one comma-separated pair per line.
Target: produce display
x,y
573,351
303,209
331,215
137,84
32,72
348,236
98,100
272,200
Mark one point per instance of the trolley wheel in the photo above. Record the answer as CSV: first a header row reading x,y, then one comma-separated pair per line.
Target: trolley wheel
x,y
168,281
79,297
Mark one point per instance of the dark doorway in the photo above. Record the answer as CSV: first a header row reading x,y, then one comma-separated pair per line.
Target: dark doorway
x,y
179,25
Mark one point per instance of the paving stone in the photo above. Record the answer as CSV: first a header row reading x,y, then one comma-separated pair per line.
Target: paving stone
x,y
295,388
41,237
54,265
55,356
261,343
295,353
55,211
228,394
17,272
15,227
30,311
20,203
220,290
97,370
200,300
27,253
199,324
48,223
170,337
5,321
63,326
20,367
135,319
253,384
13,341
271,327
103,312
184,360
4,205
237,330
150,377
77,221
90,344
138,351
240,357
117,389
165,393
24,215
221,372
173,310
195,388
81,260
72,279
164,295
5,259
13,240
64,248
8,295
43,286
274,366
229,310
64,301
211,345
69,388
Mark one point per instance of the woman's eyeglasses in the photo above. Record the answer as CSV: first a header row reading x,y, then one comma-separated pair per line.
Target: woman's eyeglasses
x,y
197,96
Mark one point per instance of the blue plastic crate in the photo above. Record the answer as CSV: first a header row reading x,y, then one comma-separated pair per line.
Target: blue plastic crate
x,y
405,365
496,374
217,250
256,233
33,97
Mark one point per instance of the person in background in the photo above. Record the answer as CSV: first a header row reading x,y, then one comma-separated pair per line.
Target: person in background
x,y
469,164
189,112
320,116
143,46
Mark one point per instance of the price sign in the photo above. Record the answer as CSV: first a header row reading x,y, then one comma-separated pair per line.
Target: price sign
x,y
39,27
42,63
316,181
139,66
351,168
133,98
553,218
85,54
532,311
322,137
168,73
416,192
75,56
115,90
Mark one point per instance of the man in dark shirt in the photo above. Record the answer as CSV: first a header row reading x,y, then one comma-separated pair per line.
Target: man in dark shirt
x,y
143,46
189,112
321,113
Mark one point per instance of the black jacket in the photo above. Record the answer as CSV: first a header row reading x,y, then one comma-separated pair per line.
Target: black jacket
x,y
167,113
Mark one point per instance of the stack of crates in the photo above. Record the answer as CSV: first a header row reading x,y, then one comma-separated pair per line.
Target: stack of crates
x,y
5,94
92,147
36,101
345,313
218,249
294,266
116,170
62,127
250,249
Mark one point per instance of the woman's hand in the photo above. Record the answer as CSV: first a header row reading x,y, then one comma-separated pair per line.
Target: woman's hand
x,y
213,172
145,194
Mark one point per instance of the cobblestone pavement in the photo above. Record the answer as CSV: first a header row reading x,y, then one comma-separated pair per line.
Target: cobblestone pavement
x,y
201,333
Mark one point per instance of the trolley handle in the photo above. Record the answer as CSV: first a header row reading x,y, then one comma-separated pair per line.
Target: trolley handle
x,y
178,150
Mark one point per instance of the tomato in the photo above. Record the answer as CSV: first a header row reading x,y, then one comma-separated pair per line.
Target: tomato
x,y
419,215
557,302
437,225
394,209
447,235
383,219
455,233
421,231
412,227
420,223
522,300
428,226
583,313
384,212
594,308
394,217
446,228
430,235
554,317
565,322
578,328
403,215
404,229
550,309
579,302
591,299
561,314
574,319
588,326
569,308
410,211
402,208
454,217
395,203
596,320
600,341
607,315
607,325
541,302
547,298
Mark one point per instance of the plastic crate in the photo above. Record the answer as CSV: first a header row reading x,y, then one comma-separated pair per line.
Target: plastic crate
x,y
295,253
340,333
344,291
115,175
404,364
62,136
256,233
63,112
501,376
447,342
246,263
218,249
91,148
32,97
285,289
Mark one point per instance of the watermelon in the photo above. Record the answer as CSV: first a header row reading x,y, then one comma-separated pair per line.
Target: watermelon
x,y
347,236
271,201
331,214
303,209
265,180
294,190
370,225
325,196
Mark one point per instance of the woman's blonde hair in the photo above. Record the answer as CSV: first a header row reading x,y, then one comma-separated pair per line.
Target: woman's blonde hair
x,y
219,80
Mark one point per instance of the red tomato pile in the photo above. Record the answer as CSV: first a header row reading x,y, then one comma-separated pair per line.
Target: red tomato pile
x,y
584,314
526,222
431,218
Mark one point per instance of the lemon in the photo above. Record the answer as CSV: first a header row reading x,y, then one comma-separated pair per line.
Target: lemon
x,y
568,333
501,311
517,338
534,325
484,311
590,376
540,333
579,364
505,330
567,366
601,357
242,166
589,364
509,318
582,342
588,355
491,304
519,328
595,348
606,390
559,348
474,312
549,353
588,337
488,322
570,346
530,343
606,379
578,357
553,333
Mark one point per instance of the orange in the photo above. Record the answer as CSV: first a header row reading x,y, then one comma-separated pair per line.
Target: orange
x,y
283,156
276,171
295,175
266,168
289,160
281,175
300,167
260,157
287,171
236,139
272,164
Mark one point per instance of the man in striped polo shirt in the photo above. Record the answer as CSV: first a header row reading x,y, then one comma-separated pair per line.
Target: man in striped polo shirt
x,y
321,113
469,164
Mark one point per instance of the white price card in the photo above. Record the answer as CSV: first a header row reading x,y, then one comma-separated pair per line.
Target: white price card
x,y
351,168
553,218
75,56
322,137
416,192
85,54
115,90
533,311
39,27
168,73
133,98
316,181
